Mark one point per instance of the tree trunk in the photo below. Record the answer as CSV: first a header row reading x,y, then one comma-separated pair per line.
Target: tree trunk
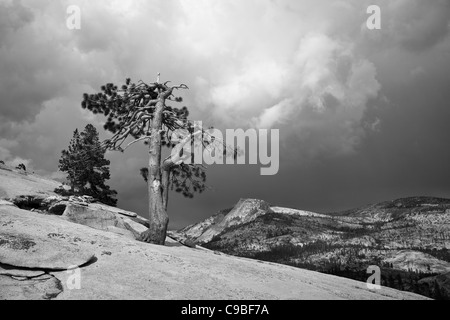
x,y
165,186
159,219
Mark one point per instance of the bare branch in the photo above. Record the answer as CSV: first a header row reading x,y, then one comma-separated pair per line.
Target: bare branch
x,y
135,141
181,86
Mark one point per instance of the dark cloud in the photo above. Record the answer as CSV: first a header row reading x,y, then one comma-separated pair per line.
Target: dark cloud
x,y
412,25
362,114
418,25
13,16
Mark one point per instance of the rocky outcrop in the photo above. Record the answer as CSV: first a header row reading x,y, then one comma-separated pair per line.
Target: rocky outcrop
x,y
194,231
27,284
35,193
92,217
128,269
44,287
417,261
103,217
83,210
245,211
14,184
39,249
25,242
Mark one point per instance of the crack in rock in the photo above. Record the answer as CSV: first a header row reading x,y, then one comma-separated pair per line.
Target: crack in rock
x,y
44,287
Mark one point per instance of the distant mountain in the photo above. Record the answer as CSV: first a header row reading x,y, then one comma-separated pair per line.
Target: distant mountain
x,y
408,238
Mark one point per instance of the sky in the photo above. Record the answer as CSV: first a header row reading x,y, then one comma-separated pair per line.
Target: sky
x,y
363,114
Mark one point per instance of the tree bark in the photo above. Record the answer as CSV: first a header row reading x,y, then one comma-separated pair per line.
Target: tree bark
x,y
159,219
165,186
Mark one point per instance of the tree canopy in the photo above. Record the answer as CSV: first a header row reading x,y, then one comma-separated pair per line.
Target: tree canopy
x,y
86,167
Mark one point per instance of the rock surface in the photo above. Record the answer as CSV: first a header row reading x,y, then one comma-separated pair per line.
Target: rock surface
x,y
34,243
246,210
122,212
127,269
19,272
415,260
103,217
37,241
194,231
94,218
408,238
14,184
40,288
80,210
6,203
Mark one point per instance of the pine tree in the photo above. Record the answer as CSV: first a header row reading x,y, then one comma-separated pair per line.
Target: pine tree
x,y
86,166
140,111
71,163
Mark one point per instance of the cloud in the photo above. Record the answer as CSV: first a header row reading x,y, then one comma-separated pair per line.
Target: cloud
x,y
300,64
321,86
252,63
277,114
8,158
413,25
419,25
13,16
310,68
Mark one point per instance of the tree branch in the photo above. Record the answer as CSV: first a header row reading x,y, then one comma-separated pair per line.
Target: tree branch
x,y
135,141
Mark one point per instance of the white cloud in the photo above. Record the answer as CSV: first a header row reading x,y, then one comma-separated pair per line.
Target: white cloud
x,y
322,85
276,114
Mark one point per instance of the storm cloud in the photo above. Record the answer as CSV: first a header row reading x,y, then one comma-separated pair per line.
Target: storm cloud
x,y
362,113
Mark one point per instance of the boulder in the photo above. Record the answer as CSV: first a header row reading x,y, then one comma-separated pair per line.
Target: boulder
x,y
103,217
134,227
101,206
90,216
24,242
